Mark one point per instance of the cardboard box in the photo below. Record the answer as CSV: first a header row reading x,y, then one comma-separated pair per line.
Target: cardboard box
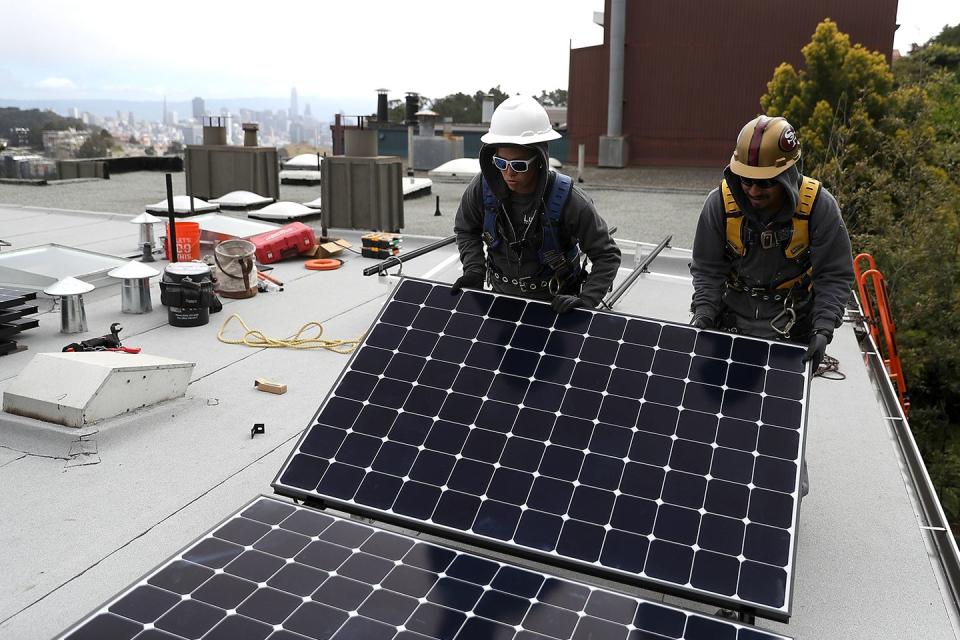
x,y
329,247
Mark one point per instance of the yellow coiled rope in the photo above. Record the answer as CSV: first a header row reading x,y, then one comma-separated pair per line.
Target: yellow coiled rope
x,y
258,340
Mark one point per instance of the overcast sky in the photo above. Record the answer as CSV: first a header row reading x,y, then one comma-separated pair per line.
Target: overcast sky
x,y
138,50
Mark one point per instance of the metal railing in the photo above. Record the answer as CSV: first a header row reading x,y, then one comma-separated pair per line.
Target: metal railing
x,y
637,270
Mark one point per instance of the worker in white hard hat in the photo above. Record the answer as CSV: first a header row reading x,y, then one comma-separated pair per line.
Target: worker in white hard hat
x,y
771,256
525,228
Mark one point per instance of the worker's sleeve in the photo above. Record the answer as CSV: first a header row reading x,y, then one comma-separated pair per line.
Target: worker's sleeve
x,y
584,224
710,266
832,260
468,226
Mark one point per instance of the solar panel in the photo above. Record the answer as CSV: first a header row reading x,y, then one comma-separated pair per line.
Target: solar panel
x,y
275,570
635,449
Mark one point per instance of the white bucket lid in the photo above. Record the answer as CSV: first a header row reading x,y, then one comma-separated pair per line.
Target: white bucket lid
x,y
188,268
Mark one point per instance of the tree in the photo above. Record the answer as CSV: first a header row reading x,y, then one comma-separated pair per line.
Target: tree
x,y
555,98
150,151
887,146
36,122
175,148
98,145
460,107
133,139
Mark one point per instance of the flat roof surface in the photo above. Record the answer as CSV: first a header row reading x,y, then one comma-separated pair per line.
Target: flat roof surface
x,y
87,512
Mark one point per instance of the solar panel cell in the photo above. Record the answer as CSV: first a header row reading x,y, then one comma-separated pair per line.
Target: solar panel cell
x,y
638,449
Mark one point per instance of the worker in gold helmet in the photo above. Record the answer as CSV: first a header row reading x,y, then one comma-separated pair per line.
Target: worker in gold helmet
x,y
771,256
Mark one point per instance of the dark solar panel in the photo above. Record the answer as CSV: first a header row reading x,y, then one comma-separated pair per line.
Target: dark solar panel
x,y
278,571
631,448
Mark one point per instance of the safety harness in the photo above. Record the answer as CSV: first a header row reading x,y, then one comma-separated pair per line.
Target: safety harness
x,y
796,239
558,266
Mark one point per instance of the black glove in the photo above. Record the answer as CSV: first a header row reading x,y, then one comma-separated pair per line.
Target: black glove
x,y
564,303
818,346
701,321
469,280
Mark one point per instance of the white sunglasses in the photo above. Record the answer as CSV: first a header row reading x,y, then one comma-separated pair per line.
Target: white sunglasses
x,y
520,166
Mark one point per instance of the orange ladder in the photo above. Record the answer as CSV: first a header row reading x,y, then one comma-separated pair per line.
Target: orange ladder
x,y
876,311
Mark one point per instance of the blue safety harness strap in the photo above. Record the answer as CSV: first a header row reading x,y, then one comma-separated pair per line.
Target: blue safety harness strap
x,y
550,254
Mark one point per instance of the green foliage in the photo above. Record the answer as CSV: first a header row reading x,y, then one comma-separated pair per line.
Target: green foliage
x,y
463,108
836,73
36,121
98,145
887,145
555,98
949,36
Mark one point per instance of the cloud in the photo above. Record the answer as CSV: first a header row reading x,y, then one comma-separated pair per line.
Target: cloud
x,y
54,83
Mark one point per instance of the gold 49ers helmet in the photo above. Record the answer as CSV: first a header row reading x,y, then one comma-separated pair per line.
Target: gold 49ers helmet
x,y
766,147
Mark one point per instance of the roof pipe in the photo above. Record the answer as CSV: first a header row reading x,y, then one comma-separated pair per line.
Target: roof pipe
x,y
613,149
615,93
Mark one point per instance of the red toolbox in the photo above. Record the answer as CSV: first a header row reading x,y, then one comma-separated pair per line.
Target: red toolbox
x,y
287,241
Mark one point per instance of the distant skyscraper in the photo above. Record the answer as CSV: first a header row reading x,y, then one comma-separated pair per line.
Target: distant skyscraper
x,y
294,109
306,111
164,120
198,108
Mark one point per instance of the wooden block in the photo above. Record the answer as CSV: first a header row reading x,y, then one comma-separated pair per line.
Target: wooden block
x,y
270,387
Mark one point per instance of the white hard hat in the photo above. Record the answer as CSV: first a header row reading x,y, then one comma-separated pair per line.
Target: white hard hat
x,y
519,120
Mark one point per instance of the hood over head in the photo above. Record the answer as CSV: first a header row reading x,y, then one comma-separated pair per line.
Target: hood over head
x,y
494,177
790,179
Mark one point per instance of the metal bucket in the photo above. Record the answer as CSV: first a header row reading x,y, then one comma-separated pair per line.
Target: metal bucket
x,y
236,268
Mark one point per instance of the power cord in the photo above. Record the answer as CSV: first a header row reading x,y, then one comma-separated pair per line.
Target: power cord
x,y
259,340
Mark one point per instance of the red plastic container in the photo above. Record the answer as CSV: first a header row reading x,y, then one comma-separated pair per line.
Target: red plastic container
x,y
286,242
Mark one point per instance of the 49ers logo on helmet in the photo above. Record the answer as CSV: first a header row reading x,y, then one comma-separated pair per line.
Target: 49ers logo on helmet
x,y
788,139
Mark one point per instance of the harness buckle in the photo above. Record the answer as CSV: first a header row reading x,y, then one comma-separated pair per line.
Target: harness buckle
x,y
487,238
768,239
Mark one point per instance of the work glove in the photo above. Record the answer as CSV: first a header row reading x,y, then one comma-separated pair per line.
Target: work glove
x,y
702,321
818,346
469,280
564,303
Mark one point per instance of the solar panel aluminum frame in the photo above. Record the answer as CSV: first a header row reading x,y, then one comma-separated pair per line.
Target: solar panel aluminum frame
x,y
705,621
747,608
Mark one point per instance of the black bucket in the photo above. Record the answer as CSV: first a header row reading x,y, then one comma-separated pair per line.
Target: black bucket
x,y
187,290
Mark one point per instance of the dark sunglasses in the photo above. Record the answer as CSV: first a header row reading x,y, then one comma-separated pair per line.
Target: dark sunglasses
x,y
764,183
520,166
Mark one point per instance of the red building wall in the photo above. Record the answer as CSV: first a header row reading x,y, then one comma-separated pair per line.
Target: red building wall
x,y
694,70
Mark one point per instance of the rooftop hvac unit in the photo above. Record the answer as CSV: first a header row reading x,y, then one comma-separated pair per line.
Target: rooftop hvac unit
x,y
362,192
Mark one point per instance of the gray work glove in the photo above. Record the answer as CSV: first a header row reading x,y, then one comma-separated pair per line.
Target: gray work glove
x,y
564,303
818,347
702,321
469,280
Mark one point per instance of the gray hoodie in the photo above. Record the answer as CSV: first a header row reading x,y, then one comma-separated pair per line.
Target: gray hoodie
x,y
830,256
580,223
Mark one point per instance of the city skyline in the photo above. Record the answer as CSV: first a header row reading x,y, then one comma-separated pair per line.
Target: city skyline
x,y
348,51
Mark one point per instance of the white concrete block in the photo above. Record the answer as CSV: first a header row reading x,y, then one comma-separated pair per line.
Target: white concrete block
x,y
76,389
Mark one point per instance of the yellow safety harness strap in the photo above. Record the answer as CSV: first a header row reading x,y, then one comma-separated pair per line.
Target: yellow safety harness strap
x,y
800,240
734,219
